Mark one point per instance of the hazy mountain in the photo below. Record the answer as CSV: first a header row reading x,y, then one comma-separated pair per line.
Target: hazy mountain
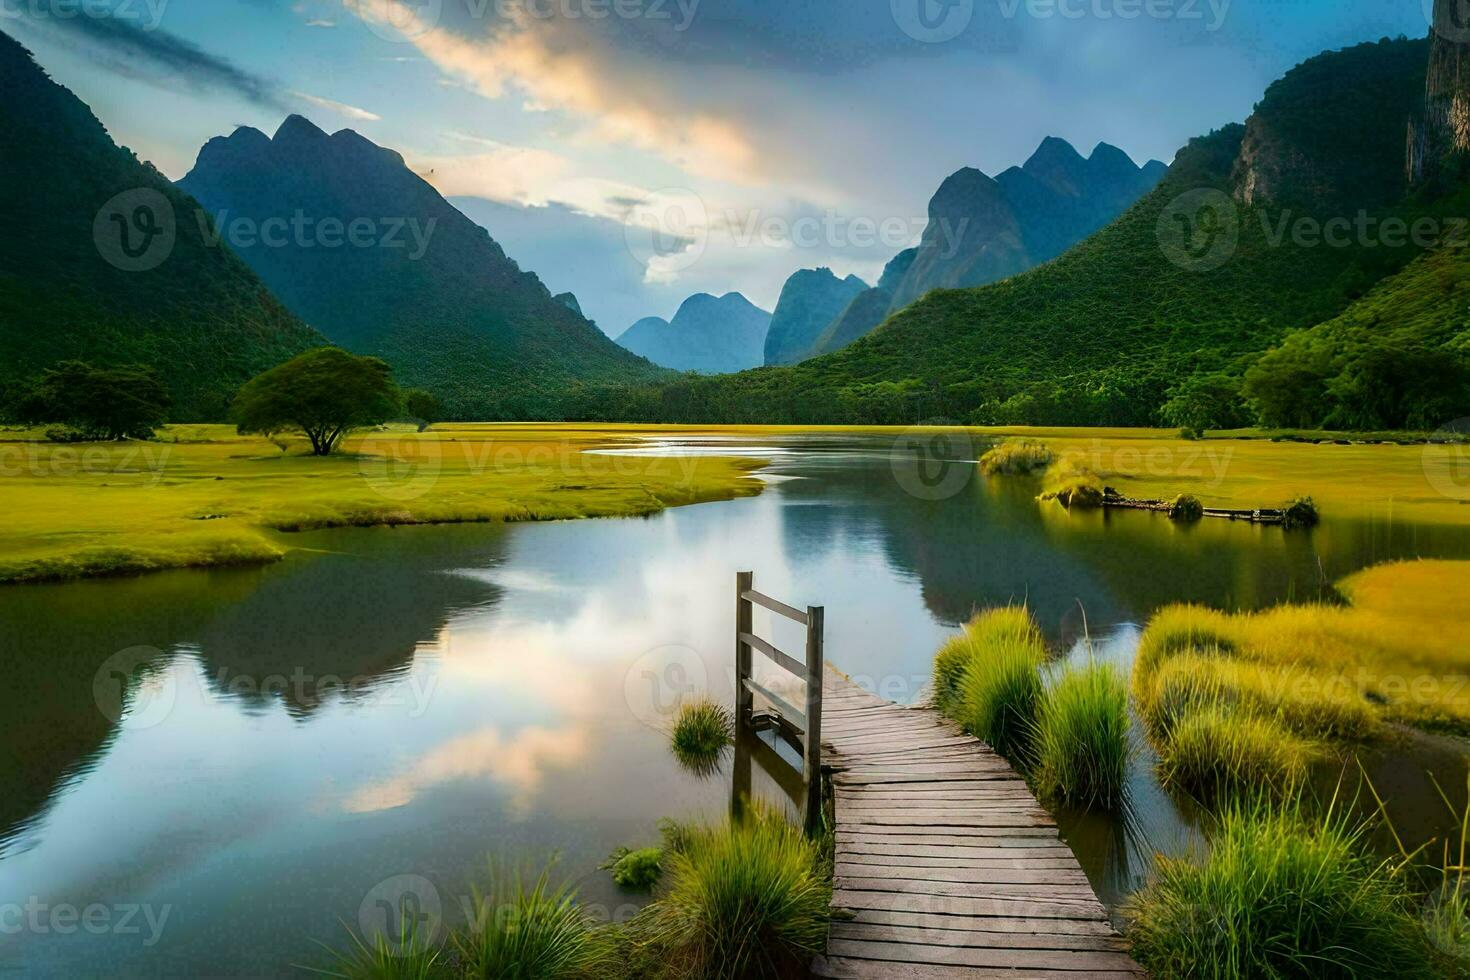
x,y
982,229
810,300
372,256
71,284
708,334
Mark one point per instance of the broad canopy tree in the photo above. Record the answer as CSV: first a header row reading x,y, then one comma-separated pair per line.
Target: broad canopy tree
x,y
325,393
124,402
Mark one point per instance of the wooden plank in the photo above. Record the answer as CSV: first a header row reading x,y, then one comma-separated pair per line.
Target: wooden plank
x,y
788,711
851,969
990,873
993,937
774,605
779,656
976,906
1093,928
1091,961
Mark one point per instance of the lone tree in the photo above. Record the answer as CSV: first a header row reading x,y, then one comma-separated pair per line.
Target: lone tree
x,y
325,393
422,407
124,402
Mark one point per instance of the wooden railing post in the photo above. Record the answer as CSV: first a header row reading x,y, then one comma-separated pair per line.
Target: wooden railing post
x,y
744,624
812,762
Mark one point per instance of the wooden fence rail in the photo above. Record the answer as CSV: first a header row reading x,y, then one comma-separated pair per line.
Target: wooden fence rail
x,y
801,728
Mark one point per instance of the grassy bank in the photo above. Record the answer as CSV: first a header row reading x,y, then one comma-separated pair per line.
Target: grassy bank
x,y
203,496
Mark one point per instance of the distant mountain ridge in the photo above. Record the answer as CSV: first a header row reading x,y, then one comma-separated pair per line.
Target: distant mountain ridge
x,y
810,300
420,285
163,294
709,334
983,229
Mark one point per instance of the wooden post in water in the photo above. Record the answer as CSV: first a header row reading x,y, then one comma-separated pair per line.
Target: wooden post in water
x,y
744,624
812,761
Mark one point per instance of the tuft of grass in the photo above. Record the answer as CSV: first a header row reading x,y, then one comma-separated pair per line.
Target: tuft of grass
x,y
1279,895
1082,739
408,955
635,870
530,931
1072,484
1000,691
950,664
747,899
1016,457
1216,754
1186,509
702,731
1301,513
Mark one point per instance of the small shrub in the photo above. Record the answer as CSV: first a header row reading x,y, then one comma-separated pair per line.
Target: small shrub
x,y
1016,457
701,733
1186,509
1301,513
535,932
1190,433
634,870
1073,485
1278,896
1082,739
1001,689
66,434
745,900
1216,754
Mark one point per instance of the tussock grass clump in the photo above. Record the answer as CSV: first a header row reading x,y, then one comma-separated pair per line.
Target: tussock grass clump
x,y
1082,739
1278,896
747,899
635,870
534,931
1016,457
407,955
1216,754
701,733
1301,513
1072,484
950,664
1001,689
1186,509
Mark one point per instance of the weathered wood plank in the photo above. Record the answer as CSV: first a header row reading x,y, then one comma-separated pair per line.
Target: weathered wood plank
x,y
841,967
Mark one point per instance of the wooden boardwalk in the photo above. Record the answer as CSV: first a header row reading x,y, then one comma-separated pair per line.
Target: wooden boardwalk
x,y
946,864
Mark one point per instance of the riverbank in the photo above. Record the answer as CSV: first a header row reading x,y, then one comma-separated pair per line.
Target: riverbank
x,y
204,496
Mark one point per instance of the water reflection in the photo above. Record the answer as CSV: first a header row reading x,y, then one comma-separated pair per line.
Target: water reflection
x,y
407,701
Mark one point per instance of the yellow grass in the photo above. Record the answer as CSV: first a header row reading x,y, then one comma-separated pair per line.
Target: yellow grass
x,y
1396,652
206,496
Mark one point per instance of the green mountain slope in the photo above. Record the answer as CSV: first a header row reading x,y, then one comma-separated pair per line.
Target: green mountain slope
x,y
427,289
201,317
1102,333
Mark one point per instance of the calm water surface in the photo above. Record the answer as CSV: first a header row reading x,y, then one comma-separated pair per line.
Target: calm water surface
x,y
414,702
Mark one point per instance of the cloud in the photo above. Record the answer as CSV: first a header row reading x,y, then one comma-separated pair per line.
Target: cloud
x,y
341,108
551,65
321,22
135,50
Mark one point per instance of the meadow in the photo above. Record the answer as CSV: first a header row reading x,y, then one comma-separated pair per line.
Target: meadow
x,y
201,495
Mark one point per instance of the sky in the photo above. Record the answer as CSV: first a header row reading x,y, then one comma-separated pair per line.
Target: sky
x,y
638,151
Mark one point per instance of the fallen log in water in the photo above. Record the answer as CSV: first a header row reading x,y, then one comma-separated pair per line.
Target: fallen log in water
x,y
1112,498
